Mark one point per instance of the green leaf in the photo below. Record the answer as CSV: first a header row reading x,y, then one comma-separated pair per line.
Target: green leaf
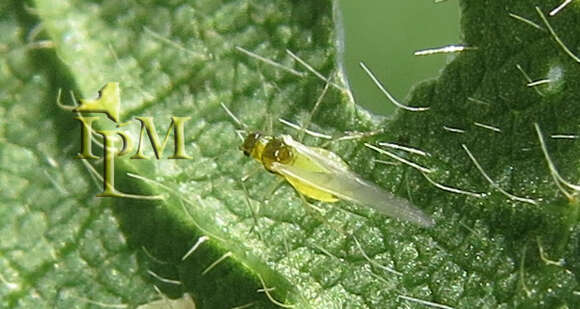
x,y
62,247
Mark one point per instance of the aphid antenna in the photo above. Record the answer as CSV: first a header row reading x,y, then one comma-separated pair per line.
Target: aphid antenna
x,y
162,279
526,21
233,117
200,241
556,37
493,183
176,45
270,62
560,7
448,49
545,259
302,130
424,302
327,80
529,80
452,189
214,264
402,160
487,126
314,109
355,135
553,171
373,262
387,94
267,290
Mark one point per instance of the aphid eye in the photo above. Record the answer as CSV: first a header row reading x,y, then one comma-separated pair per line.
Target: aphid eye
x,y
250,142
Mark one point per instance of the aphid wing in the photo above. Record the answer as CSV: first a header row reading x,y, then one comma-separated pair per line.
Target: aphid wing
x,y
323,158
348,186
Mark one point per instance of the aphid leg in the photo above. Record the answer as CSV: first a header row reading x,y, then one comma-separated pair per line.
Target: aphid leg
x,y
251,174
310,207
214,264
253,212
544,258
273,188
318,213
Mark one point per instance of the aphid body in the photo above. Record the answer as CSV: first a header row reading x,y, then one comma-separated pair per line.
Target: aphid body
x,y
322,175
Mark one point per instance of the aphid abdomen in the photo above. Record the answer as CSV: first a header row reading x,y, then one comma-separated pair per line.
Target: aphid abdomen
x,y
310,191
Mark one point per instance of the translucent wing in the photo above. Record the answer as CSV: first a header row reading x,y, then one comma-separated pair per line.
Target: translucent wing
x,y
348,186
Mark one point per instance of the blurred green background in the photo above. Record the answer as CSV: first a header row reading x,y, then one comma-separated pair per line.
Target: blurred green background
x,y
384,34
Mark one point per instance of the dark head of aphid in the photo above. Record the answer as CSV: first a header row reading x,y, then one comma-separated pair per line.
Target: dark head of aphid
x,y
250,142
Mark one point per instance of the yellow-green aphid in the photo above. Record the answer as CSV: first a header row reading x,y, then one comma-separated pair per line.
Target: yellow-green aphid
x,y
322,175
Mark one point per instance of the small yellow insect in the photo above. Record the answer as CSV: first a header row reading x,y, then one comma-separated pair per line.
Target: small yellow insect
x,y
322,175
